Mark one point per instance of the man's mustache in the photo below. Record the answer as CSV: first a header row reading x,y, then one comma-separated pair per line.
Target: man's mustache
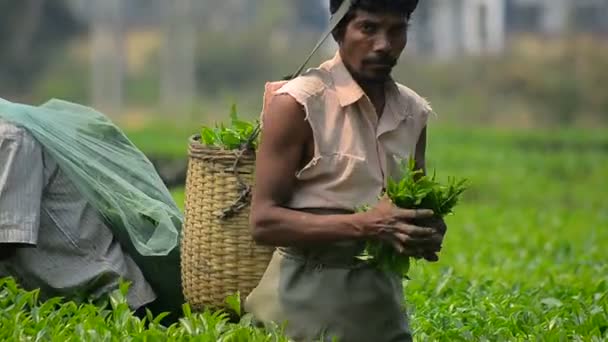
x,y
384,60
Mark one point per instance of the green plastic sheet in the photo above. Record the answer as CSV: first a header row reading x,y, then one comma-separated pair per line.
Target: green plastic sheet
x,y
114,176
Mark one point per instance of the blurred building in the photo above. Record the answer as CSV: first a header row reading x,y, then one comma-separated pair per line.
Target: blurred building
x,y
556,17
111,23
444,29
441,30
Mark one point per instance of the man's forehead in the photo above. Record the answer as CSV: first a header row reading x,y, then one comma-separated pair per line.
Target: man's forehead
x,y
389,18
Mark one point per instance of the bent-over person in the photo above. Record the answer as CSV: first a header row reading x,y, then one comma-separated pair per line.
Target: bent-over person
x,y
54,240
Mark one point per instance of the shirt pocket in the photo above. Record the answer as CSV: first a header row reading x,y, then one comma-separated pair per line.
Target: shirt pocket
x,y
328,166
401,142
341,178
399,146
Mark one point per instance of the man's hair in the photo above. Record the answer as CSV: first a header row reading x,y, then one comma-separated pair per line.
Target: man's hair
x,y
401,7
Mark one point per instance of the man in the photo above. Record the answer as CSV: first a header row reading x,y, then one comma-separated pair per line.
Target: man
x,y
330,141
52,239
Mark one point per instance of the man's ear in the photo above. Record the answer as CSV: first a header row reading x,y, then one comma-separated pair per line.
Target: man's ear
x,y
337,34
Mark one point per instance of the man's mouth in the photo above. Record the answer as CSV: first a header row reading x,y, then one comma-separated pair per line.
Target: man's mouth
x,y
381,64
380,67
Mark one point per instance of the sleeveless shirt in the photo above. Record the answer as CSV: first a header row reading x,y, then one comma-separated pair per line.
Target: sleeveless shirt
x,y
355,150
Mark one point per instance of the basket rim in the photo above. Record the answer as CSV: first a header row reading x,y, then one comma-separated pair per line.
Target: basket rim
x,y
195,144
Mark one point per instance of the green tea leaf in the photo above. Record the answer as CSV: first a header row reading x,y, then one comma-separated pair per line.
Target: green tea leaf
x,y
232,136
413,190
208,136
242,126
233,113
234,303
552,302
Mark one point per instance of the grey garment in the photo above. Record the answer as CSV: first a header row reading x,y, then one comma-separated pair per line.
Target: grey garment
x,y
324,292
71,250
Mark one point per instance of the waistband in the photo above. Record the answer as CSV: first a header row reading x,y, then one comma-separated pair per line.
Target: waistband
x,y
336,255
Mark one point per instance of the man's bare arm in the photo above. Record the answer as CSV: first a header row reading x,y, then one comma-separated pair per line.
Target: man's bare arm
x,y
285,134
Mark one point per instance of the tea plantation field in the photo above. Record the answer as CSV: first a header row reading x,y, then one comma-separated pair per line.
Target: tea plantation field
x,y
525,257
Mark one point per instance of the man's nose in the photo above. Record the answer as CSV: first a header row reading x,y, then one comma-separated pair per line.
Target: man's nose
x,y
382,43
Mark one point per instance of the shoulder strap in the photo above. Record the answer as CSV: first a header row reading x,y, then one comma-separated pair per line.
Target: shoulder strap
x,y
333,22
246,189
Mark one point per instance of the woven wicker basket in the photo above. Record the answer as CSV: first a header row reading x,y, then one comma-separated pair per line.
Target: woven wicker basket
x,y
218,254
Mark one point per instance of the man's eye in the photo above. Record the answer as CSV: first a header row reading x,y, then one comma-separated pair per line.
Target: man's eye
x,y
368,28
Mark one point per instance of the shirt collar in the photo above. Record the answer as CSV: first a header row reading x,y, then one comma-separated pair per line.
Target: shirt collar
x,y
348,90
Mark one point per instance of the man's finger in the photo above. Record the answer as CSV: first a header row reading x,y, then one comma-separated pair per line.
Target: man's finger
x,y
433,247
416,231
397,245
415,213
425,243
401,237
412,252
432,257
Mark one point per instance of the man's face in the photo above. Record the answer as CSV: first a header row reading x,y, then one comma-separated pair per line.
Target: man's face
x,y
372,44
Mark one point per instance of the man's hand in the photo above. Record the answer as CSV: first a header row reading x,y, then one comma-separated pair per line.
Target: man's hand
x,y
397,227
440,228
